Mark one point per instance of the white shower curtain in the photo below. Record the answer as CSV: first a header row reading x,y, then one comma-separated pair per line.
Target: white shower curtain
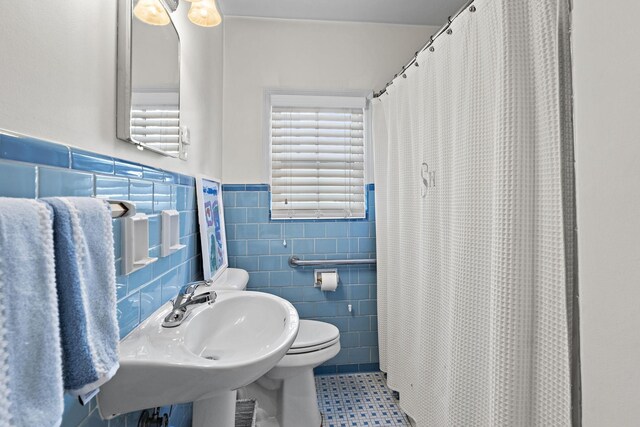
x,y
475,220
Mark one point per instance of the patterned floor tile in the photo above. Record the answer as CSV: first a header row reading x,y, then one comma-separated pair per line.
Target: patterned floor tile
x,y
358,400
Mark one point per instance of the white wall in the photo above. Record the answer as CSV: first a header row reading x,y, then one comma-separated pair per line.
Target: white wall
x,y
155,53
607,113
263,54
58,80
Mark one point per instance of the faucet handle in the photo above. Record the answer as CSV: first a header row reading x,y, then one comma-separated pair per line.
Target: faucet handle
x,y
191,287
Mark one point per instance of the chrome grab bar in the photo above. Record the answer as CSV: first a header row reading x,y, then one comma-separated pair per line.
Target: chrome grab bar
x,y
295,261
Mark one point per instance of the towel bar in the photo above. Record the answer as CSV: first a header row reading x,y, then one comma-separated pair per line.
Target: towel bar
x,y
121,208
294,261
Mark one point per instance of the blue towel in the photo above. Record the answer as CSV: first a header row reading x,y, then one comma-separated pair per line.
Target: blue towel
x,y
31,391
85,273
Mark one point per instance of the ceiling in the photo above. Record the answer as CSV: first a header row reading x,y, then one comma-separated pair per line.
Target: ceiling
x,y
416,12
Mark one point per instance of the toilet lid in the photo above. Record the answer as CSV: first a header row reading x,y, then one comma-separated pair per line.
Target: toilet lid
x,y
314,335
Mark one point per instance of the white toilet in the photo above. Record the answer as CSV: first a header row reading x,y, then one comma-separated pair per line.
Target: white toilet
x,y
286,395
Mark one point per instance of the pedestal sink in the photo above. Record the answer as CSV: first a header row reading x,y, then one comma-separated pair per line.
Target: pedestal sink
x,y
217,349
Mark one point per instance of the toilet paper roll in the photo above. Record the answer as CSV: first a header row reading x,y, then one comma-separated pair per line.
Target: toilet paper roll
x,y
329,282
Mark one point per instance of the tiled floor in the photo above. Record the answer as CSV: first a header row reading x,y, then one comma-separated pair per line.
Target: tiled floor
x,y
356,400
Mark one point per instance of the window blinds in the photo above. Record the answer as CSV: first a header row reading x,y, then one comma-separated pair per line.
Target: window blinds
x,y
157,127
317,162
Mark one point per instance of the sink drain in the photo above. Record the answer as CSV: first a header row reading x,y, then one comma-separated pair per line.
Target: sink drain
x,y
212,357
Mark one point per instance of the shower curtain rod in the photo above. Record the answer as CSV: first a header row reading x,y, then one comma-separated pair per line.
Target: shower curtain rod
x,y
443,29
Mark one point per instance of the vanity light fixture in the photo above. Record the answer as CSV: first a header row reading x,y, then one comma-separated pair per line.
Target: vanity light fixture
x,y
151,12
204,13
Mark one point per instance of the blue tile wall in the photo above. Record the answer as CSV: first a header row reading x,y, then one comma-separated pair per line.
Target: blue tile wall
x,y
255,243
33,150
32,168
18,180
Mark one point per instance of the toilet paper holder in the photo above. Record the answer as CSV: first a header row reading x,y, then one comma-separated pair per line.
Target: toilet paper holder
x,y
317,275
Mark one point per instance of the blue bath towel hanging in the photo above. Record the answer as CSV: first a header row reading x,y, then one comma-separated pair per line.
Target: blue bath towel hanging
x,y
30,357
85,273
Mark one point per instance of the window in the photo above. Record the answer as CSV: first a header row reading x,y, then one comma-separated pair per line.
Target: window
x,y
317,157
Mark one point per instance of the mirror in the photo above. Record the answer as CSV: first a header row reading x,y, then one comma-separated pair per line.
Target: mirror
x,y
148,112
213,239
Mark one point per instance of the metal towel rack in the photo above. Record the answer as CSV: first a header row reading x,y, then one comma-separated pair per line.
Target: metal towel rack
x,y
295,261
121,208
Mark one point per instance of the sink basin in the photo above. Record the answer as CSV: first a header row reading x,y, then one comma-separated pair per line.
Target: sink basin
x,y
218,348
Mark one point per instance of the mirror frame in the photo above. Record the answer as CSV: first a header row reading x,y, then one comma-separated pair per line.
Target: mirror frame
x,y
124,89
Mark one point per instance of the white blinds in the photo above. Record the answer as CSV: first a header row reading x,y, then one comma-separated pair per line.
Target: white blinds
x,y
317,162
157,127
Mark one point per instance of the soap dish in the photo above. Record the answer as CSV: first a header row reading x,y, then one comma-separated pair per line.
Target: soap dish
x,y
135,243
170,233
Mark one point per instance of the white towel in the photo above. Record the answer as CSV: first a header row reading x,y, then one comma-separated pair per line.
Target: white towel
x,y
31,391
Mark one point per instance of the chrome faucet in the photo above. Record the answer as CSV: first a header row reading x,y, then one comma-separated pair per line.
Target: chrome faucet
x,y
185,300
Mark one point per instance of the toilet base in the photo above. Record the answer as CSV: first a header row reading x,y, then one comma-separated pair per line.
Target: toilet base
x,y
218,411
290,402
298,402
287,393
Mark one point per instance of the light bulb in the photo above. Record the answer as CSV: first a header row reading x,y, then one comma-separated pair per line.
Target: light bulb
x,y
204,13
151,12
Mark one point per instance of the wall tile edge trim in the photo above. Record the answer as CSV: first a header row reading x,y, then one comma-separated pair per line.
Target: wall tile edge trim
x,y
33,150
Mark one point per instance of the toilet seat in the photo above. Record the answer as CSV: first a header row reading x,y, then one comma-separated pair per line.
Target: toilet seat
x,y
312,348
314,336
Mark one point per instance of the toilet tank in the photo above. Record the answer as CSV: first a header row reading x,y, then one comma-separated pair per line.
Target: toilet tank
x,y
232,279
